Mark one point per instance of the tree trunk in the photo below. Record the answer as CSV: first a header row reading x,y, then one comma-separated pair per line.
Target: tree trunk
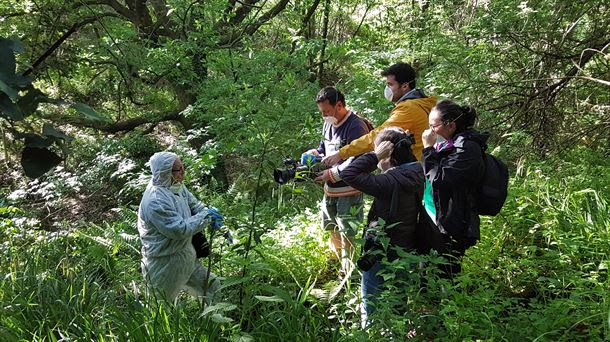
x,y
324,38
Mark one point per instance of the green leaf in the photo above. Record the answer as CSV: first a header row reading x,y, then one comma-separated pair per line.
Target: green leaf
x,y
8,90
269,298
218,307
30,101
218,318
89,112
7,59
17,45
36,141
19,81
37,161
8,109
50,131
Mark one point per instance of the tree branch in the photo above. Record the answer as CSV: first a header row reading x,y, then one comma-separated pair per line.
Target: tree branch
x,y
279,7
63,38
228,40
125,125
310,11
120,9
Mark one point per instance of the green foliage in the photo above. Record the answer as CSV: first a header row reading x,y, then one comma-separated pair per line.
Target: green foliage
x,y
539,271
36,157
241,80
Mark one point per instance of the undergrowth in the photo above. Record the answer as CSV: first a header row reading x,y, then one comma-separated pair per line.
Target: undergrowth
x,y
540,273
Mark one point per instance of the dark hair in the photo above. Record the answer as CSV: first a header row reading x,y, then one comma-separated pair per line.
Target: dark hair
x,y
331,94
463,116
402,152
402,72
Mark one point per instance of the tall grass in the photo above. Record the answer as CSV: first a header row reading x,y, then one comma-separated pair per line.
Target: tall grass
x,y
540,272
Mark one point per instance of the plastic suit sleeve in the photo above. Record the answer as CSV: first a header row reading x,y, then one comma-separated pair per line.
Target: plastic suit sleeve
x,y
169,222
194,204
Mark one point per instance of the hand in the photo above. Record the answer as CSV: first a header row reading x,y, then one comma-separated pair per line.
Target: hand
x,y
312,151
332,160
323,176
384,150
428,137
217,220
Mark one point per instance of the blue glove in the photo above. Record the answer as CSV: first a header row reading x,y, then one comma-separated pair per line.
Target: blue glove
x,y
308,159
217,219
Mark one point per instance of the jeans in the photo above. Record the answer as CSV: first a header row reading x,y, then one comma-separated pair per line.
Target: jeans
x,y
370,287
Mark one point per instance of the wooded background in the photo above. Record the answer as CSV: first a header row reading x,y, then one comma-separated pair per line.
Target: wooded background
x,y
90,89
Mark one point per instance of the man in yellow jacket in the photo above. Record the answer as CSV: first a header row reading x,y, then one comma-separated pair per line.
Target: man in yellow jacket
x,y
411,113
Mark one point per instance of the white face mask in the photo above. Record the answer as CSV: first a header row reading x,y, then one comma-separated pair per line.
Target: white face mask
x,y
331,120
388,94
175,188
440,139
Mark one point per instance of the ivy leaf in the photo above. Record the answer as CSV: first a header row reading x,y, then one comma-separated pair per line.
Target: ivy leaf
x,y
37,161
89,112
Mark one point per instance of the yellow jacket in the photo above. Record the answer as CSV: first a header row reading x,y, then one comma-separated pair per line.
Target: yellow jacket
x,y
409,115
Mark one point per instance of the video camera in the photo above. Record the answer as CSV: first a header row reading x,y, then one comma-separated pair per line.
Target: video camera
x,y
309,167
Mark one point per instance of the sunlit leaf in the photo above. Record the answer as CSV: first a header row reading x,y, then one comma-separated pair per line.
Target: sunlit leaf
x,y
89,112
50,131
269,298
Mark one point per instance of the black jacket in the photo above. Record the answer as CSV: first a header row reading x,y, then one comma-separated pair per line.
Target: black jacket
x,y
397,192
455,175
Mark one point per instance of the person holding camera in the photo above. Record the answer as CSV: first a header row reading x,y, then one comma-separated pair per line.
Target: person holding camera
x,y
410,112
168,218
342,206
454,166
397,190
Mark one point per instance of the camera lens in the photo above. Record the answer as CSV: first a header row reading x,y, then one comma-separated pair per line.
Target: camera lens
x,y
283,176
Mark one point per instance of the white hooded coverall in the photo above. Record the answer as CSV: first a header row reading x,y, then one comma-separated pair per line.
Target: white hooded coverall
x,y
167,222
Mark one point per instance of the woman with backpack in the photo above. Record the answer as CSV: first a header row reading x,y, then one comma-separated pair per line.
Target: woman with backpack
x,y
454,166
398,190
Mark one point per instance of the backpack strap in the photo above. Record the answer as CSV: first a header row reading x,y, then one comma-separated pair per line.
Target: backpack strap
x,y
367,122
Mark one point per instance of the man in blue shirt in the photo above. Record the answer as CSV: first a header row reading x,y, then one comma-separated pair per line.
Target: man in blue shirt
x,y
342,206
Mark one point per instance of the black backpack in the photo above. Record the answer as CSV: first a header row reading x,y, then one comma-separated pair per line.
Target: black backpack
x,y
201,244
493,190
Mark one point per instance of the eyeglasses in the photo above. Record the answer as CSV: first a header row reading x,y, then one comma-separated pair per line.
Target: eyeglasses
x,y
445,122
179,170
434,126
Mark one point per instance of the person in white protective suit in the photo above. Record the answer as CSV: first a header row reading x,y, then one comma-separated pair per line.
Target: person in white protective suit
x,y
168,217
